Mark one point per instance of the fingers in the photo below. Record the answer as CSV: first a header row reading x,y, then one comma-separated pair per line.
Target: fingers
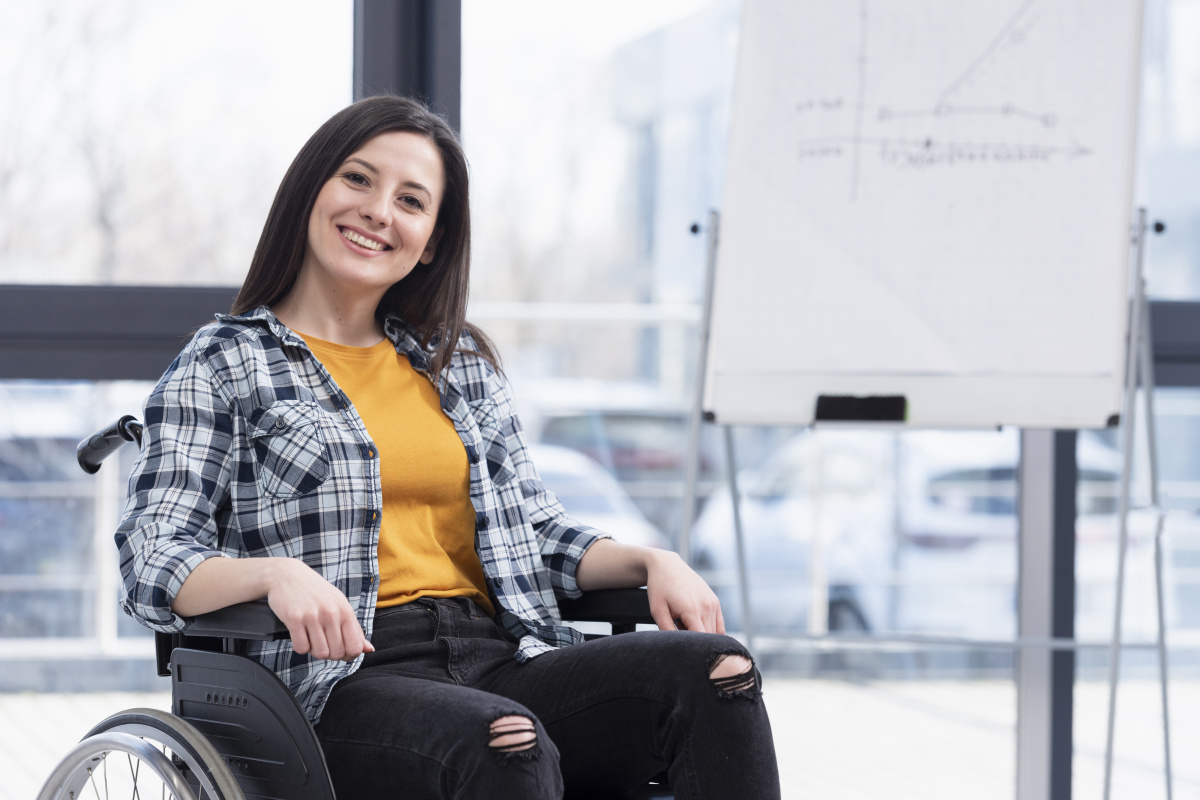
x,y
660,612
680,599
705,618
318,616
355,644
299,638
694,613
338,636
320,644
698,616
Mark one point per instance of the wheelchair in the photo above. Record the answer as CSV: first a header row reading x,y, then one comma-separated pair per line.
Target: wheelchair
x,y
235,732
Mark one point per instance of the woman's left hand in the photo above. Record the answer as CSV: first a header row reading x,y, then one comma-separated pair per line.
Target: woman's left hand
x,y
679,598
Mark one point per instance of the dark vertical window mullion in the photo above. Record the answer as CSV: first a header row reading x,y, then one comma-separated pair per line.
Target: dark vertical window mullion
x,y
412,48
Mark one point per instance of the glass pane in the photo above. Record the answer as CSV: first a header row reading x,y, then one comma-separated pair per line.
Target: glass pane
x,y
1178,428
1171,133
909,532
591,156
590,160
142,142
57,557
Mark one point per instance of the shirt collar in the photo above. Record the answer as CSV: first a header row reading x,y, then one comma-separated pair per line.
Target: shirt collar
x,y
262,315
399,332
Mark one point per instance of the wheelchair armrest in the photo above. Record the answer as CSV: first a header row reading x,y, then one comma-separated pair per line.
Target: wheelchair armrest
x,y
256,620
253,620
624,607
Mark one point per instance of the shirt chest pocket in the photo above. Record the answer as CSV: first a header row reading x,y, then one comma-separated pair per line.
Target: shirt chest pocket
x,y
291,452
494,442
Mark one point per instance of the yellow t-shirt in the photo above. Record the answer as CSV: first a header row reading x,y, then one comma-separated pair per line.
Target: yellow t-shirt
x,y
427,536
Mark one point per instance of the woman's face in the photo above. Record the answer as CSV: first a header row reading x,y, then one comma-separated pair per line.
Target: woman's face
x,y
377,216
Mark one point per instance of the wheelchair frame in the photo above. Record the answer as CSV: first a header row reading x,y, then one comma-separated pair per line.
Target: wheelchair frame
x,y
235,731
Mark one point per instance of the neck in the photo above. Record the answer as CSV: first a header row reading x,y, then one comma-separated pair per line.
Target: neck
x,y
330,314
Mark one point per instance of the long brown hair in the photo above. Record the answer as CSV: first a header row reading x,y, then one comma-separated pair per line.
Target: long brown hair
x,y
433,297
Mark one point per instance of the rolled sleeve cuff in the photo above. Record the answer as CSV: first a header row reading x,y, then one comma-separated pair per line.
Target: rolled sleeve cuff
x,y
150,600
563,547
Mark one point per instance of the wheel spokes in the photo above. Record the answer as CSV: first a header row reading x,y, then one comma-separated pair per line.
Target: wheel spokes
x,y
134,771
135,779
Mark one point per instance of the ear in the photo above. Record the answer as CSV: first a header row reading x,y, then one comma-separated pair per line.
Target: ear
x,y
431,246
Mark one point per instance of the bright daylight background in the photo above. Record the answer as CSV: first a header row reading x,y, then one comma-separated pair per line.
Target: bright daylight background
x,y
141,143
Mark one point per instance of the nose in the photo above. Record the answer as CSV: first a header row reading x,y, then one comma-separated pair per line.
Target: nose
x,y
377,207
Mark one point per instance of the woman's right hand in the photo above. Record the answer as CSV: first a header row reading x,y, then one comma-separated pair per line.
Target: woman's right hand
x,y
318,616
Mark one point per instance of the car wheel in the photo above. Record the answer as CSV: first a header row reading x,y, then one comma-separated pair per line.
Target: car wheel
x,y
850,661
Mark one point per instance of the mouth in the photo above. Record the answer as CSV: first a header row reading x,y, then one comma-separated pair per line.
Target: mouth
x,y
363,241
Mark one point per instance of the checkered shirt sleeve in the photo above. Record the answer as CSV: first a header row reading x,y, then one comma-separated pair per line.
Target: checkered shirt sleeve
x,y
180,483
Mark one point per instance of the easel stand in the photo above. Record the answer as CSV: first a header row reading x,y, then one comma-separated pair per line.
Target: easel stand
x,y
693,451
1139,370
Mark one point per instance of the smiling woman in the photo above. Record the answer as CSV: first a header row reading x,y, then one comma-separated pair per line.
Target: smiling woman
x,y
388,171
372,222
344,445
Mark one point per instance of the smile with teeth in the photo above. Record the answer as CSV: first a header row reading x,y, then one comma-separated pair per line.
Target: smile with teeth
x,y
363,241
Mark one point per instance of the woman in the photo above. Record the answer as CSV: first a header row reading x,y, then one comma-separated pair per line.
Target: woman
x,y
344,445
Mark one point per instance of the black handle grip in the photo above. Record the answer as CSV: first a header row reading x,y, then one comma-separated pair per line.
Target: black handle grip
x,y
100,445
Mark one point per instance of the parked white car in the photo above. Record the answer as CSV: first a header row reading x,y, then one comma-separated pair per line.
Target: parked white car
x,y
822,500
591,495
912,531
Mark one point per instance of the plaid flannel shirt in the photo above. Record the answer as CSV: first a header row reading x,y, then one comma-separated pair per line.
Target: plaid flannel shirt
x,y
250,449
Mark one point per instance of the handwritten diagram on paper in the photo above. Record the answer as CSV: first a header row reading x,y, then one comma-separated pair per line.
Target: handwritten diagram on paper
x,y
932,190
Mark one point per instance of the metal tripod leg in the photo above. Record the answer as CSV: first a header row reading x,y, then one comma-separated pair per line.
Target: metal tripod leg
x,y
739,539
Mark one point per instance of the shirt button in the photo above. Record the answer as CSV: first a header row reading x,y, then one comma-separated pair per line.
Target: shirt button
x,y
280,424
498,581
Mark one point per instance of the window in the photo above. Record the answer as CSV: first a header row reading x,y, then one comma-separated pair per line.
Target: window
x,y
1171,137
143,142
140,143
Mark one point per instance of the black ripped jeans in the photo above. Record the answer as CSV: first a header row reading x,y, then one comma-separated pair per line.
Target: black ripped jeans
x,y
415,720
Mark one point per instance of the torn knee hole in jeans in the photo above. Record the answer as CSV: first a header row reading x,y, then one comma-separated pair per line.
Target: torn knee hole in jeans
x,y
513,735
738,679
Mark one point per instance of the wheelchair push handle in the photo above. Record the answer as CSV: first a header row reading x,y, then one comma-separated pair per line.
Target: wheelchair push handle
x,y
100,445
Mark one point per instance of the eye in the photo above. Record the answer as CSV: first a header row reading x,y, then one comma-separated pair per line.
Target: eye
x,y
357,178
412,202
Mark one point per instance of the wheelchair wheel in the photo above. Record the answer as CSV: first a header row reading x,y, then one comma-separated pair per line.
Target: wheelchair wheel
x,y
142,753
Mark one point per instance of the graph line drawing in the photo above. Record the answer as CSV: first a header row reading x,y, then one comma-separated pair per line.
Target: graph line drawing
x,y
952,100
860,106
1011,35
1046,119
1009,30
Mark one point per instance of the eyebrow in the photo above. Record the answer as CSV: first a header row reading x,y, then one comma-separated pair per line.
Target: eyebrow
x,y
410,184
